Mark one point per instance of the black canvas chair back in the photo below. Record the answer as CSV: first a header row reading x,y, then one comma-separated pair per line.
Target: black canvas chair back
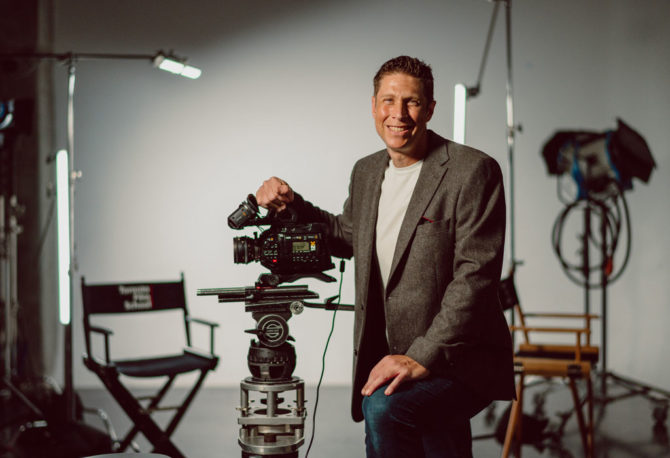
x,y
131,300
507,293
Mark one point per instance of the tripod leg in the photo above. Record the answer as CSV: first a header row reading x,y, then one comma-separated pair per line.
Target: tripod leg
x,y
16,392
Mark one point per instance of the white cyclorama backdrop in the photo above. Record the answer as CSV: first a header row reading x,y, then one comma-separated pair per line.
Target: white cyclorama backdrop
x,y
285,91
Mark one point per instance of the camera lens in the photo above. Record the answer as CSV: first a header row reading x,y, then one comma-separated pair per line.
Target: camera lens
x,y
244,249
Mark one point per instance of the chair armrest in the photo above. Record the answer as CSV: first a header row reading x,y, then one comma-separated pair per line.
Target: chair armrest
x,y
546,329
106,332
201,321
577,331
560,315
101,330
211,325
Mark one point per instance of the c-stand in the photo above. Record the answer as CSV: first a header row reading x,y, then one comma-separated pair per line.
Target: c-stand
x,y
268,428
10,228
605,214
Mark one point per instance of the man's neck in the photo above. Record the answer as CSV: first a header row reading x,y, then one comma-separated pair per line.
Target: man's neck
x,y
405,159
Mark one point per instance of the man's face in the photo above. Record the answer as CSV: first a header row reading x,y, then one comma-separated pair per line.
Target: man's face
x,y
401,112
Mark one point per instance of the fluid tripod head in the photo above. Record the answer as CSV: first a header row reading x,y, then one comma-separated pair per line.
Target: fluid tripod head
x,y
272,357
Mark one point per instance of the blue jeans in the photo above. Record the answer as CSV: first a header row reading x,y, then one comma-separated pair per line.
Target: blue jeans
x,y
427,418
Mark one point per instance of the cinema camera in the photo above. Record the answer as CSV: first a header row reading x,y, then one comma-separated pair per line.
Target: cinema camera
x,y
290,251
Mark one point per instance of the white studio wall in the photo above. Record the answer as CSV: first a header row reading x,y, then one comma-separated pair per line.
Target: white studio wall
x,y
286,91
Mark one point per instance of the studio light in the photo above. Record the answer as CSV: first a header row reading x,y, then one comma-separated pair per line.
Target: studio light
x,y
460,99
65,184
175,65
63,212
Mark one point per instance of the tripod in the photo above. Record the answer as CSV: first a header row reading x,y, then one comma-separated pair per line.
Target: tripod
x,y
267,427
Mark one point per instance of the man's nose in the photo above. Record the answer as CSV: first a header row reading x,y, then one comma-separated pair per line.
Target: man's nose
x,y
399,110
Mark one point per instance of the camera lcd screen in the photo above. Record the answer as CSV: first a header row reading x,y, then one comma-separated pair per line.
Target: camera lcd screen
x,y
300,247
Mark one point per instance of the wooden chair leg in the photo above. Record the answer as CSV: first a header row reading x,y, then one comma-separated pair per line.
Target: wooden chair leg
x,y
514,422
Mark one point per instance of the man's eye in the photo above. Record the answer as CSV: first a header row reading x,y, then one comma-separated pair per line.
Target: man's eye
x,y
414,103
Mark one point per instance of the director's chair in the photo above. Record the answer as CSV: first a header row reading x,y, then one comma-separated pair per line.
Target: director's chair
x,y
530,347
571,362
129,300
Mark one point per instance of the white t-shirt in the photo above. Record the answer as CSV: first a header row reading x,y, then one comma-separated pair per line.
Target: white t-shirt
x,y
397,188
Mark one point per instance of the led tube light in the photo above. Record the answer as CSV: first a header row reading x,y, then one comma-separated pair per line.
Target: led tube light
x,y
63,212
460,99
172,65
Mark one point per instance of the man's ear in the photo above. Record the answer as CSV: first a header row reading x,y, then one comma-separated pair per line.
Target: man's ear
x,y
431,110
374,106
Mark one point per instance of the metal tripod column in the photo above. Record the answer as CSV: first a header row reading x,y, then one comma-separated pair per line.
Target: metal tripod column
x,y
270,430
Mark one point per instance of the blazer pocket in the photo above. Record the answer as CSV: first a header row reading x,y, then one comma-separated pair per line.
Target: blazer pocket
x,y
426,228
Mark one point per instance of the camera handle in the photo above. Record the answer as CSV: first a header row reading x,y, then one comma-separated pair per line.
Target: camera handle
x,y
265,280
330,305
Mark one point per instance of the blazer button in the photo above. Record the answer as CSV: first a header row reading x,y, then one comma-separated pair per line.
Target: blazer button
x,y
355,352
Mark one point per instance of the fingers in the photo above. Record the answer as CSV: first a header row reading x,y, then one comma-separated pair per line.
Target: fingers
x,y
375,380
399,368
396,381
274,194
387,368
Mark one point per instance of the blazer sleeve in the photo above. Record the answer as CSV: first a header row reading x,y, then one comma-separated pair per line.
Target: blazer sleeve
x,y
339,227
469,304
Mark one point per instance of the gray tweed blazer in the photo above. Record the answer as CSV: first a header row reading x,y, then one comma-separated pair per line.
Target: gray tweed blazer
x,y
441,304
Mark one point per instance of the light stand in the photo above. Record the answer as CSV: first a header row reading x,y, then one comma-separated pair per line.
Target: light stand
x,y
162,60
463,93
9,230
604,234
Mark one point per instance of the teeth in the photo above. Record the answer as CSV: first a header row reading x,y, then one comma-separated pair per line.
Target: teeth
x,y
396,129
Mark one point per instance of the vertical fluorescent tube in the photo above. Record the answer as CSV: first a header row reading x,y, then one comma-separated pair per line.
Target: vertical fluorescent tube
x,y
63,211
460,98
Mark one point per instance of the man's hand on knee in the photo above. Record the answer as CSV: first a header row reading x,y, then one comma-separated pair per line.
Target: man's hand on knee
x,y
400,368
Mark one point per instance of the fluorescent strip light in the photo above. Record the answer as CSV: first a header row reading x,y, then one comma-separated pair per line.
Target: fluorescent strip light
x,y
172,65
191,72
460,98
63,211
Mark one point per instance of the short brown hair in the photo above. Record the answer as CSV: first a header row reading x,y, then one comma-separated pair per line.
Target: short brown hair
x,y
409,66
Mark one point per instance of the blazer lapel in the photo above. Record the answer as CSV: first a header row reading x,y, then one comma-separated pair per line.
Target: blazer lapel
x,y
432,171
366,232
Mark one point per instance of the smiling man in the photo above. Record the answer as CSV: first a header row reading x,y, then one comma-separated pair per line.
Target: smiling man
x,y
425,222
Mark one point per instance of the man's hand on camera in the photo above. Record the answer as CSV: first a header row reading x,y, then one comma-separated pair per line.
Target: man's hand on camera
x,y
274,194
400,368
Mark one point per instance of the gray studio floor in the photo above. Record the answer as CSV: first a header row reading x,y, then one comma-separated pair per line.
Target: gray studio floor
x,y
209,429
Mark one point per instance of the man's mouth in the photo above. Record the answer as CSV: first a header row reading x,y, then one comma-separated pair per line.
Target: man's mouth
x,y
398,128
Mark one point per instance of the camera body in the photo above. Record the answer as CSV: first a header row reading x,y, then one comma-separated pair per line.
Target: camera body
x,y
286,249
